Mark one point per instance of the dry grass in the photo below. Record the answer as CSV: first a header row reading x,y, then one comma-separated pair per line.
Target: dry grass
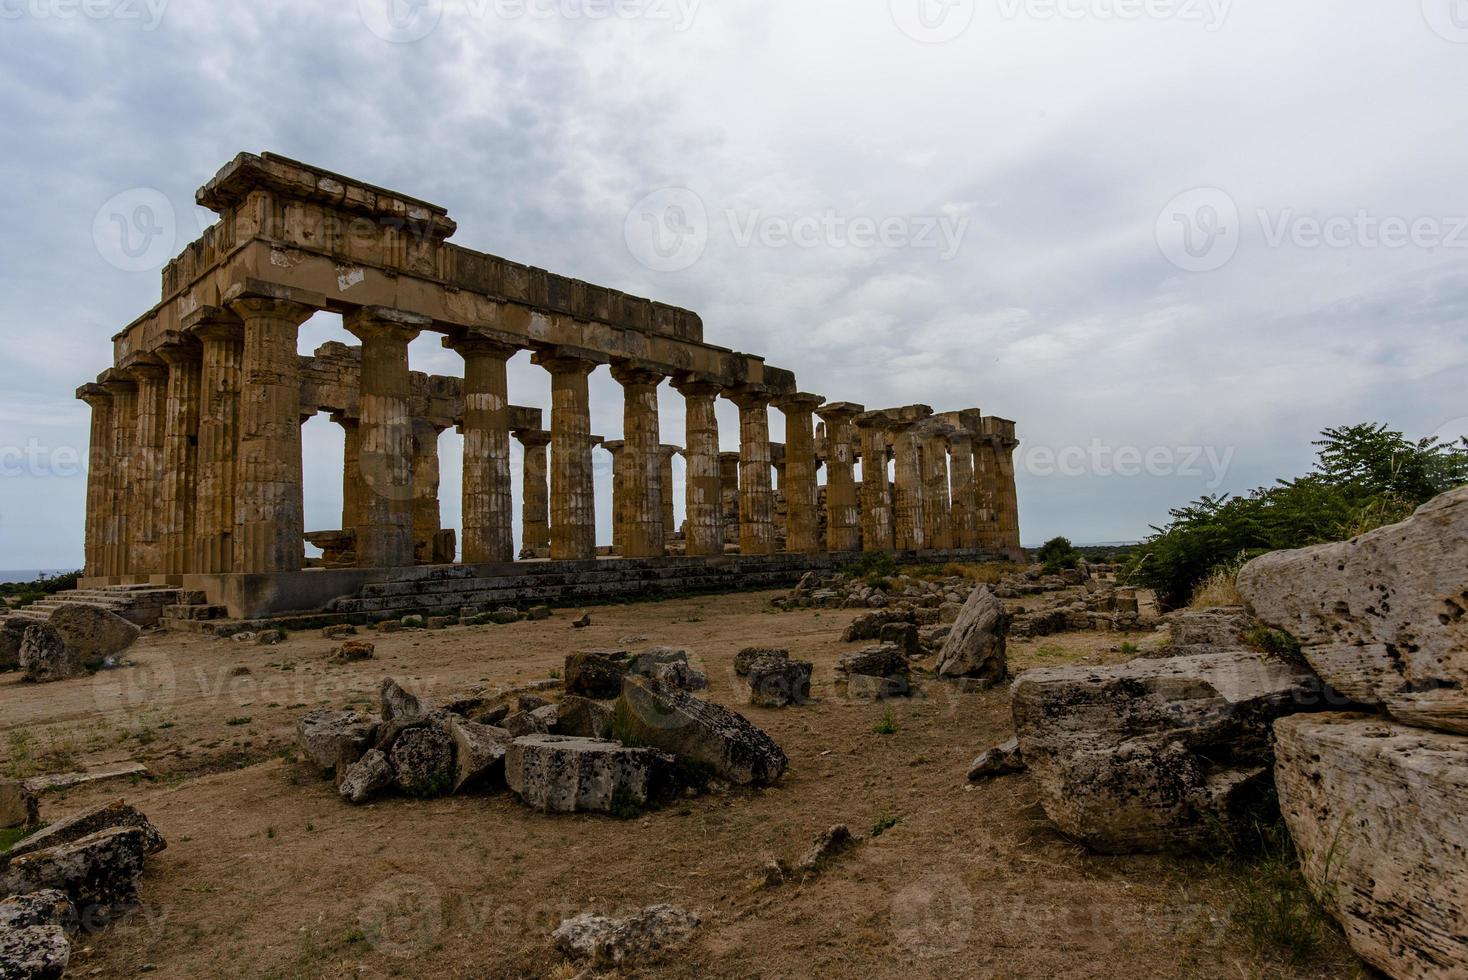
x,y
1220,588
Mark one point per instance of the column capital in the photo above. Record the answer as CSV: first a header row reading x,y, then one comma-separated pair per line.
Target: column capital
x,y
93,394
483,342
631,371
345,419
750,396
179,348
839,412
696,386
533,438
563,359
614,446
385,323
960,438
669,451
873,420
800,401
214,323
272,306
145,367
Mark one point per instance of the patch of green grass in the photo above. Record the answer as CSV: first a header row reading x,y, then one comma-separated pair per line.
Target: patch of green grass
x,y
625,805
884,823
1130,649
9,838
886,725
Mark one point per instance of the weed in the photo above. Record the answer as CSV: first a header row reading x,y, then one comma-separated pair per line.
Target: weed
x,y
886,725
884,823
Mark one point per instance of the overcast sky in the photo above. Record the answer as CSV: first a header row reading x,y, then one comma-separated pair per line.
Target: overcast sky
x,y
1171,238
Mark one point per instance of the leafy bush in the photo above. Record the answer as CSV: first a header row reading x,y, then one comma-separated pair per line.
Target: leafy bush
x,y
1056,554
875,565
1365,476
44,585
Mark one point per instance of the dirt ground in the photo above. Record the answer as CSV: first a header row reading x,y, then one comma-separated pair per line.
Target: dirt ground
x,y
269,874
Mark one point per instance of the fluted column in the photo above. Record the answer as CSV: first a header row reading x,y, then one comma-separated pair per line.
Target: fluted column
x,y
937,508
986,460
907,507
1008,496
802,530
535,494
614,448
756,498
222,334
146,478
385,536
427,514
843,515
729,495
117,539
670,523
351,470
184,357
703,486
965,520
572,491
269,511
99,465
488,500
642,460
876,507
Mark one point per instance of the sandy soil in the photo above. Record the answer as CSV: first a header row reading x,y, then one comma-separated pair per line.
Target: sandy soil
x,y
269,874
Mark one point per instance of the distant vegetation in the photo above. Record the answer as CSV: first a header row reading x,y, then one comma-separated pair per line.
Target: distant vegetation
x,y
1057,554
1365,476
25,593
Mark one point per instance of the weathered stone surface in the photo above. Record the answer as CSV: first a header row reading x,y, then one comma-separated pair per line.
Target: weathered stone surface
x,y
884,660
422,758
975,648
749,655
604,941
104,816
1196,631
91,632
904,636
827,845
398,704
1381,617
354,650
596,673
34,953
681,675
44,656
367,777
868,626
48,907
695,731
562,774
18,807
12,633
777,683
1001,760
479,753
1379,813
1155,755
328,737
99,873
538,721
583,718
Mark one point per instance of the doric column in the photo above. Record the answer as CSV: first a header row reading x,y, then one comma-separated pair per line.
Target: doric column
x,y
351,470
843,515
642,460
117,539
488,500
222,334
99,465
1007,494
907,507
145,556
703,486
729,495
876,507
184,356
799,483
756,498
572,491
427,515
385,536
937,508
986,466
614,448
670,523
965,518
535,494
269,512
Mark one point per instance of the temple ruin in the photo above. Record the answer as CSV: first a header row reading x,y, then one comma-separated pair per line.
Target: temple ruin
x,y
195,475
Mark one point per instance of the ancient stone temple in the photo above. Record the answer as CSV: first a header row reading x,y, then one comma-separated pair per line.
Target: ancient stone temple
x,y
195,465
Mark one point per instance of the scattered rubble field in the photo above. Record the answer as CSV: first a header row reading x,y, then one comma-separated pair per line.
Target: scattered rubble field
x,y
269,874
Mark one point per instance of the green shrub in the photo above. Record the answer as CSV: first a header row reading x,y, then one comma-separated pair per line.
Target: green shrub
x,y
1057,554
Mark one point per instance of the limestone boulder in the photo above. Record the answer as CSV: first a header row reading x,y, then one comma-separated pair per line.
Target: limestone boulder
x,y
564,774
479,753
44,656
697,732
1379,814
602,941
596,673
975,647
868,626
777,683
12,632
422,759
91,632
99,873
875,672
399,704
583,718
34,953
328,738
1196,631
18,806
1002,760
104,816
904,636
1381,617
47,907
1156,755
744,658
366,778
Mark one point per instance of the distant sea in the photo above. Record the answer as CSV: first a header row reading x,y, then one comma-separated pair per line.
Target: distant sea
x,y
29,574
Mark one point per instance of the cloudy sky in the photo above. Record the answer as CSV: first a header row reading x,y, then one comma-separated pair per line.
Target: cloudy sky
x,y
1171,238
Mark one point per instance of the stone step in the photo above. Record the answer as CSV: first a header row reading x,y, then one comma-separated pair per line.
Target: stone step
x,y
199,611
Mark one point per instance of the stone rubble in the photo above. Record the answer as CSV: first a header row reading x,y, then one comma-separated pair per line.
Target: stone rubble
x,y
603,941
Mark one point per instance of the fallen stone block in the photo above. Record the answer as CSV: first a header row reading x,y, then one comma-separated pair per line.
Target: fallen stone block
x,y
596,673
422,759
44,656
537,721
539,613
34,953
562,774
440,622
583,622
1156,755
353,651
1196,631
903,636
104,816
1382,618
479,753
875,672
697,732
775,683
1379,814
1001,760
366,778
749,655
12,633
868,626
99,873
399,704
340,632
48,907
270,638
91,632
327,737
583,718
66,780
603,941
18,806
975,647
827,845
